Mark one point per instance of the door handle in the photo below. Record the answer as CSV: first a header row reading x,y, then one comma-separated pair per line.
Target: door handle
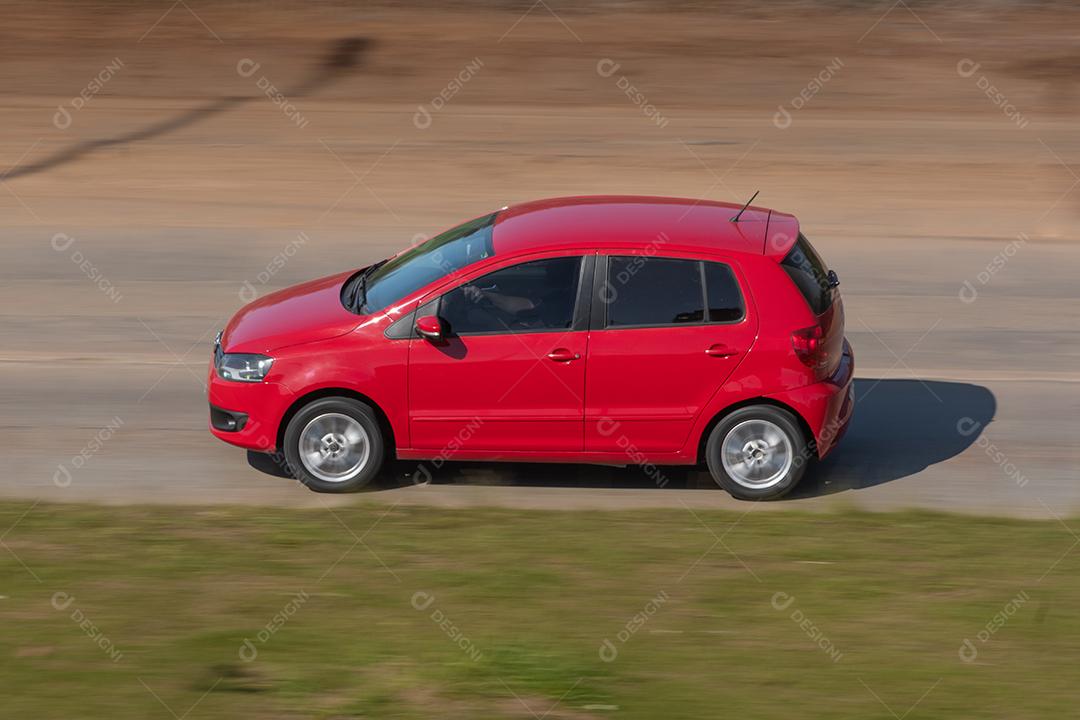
x,y
720,350
563,355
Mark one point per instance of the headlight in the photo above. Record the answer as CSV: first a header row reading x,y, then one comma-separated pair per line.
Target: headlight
x,y
242,367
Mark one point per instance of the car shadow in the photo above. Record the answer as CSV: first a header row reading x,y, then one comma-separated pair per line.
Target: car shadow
x,y
900,428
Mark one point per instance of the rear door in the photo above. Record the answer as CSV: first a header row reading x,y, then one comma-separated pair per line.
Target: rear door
x,y
668,331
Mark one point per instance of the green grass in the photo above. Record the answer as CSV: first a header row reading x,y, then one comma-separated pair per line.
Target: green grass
x,y
177,590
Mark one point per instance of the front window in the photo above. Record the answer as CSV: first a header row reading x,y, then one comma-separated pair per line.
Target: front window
x,y
403,275
534,296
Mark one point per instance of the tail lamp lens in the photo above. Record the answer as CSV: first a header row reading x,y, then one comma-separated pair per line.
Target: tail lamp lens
x,y
809,346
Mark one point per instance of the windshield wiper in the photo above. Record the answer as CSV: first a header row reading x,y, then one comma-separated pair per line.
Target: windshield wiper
x,y
358,293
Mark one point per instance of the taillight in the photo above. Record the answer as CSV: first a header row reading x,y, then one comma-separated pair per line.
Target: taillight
x,y
809,344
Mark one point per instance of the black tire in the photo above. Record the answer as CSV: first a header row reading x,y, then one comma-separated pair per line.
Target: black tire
x,y
333,414
770,421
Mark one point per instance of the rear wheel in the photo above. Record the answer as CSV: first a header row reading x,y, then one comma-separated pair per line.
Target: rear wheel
x,y
334,445
757,453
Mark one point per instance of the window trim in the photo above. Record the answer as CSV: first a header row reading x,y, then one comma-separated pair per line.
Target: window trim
x,y
599,317
579,314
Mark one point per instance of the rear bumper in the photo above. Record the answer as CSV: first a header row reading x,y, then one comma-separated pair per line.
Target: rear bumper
x,y
827,406
841,405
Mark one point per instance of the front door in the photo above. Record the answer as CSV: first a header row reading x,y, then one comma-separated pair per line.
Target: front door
x,y
510,373
670,333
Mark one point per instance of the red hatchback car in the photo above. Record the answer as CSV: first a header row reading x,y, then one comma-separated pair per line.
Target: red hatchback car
x,y
614,330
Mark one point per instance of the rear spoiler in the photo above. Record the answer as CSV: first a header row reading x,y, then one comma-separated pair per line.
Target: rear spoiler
x,y
781,232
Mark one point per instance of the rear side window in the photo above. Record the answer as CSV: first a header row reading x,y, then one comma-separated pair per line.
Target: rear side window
x,y
806,269
653,291
725,300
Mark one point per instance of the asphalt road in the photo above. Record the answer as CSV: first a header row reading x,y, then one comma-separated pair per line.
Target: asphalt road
x,y
129,238
962,406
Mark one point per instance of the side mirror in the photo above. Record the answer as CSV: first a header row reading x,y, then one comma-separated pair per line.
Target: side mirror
x,y
429,327
833,279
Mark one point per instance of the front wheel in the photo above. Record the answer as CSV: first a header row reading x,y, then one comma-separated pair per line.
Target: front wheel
x,y
334,445
757,453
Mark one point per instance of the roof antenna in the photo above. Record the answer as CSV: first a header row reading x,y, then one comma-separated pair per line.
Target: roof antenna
x,y
739,214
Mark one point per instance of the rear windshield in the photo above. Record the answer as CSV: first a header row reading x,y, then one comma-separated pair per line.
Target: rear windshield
x,y
806,268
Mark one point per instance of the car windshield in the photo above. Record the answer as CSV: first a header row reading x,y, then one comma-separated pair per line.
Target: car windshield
x,y
406,273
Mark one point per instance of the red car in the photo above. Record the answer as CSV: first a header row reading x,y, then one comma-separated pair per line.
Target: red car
x,y
614,330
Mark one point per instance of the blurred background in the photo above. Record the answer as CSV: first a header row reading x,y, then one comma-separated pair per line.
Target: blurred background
x,y
164,162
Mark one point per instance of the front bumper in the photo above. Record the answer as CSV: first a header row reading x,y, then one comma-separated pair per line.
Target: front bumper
x,y
246,414
227,420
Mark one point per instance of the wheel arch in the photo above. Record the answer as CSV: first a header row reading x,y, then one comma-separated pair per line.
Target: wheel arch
x,y
380,414
804,426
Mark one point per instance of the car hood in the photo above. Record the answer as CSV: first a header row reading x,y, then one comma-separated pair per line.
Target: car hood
x,y
302,313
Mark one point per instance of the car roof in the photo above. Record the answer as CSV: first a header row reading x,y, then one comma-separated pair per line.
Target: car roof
x,y
608,221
